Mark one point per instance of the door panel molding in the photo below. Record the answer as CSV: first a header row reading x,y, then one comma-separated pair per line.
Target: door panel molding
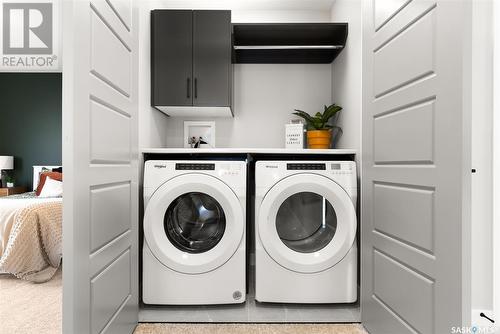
x,y
409,56
122,9
401,22
385,13
100,159
109,213
413,226
388,273
106,302
412,256
395,131
105,255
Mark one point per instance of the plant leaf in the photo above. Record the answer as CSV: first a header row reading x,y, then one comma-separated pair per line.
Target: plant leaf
x,y
331,111
303,114
318,124
320,120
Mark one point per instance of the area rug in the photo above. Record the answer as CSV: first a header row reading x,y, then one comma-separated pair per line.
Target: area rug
x,y
249,329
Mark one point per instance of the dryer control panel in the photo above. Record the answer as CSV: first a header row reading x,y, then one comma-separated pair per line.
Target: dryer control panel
x,y
305,166
270,172
339,168
335,167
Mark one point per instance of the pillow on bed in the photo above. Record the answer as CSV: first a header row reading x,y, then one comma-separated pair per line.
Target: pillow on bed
x,y
43,176
52,188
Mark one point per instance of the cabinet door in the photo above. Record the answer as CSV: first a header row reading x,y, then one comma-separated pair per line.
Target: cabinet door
x,y
172,57
212,66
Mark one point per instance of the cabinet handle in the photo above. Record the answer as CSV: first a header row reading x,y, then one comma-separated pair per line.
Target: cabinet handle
x,y
195,88
188,88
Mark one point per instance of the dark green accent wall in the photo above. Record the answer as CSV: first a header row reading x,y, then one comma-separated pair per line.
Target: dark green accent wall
x,y
31,121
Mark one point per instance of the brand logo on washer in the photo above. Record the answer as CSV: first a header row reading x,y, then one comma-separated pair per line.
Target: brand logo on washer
x,y
237,295
271,166
160,166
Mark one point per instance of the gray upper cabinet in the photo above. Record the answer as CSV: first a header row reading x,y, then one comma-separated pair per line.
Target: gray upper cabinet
x,y
212,58
191,69
172,57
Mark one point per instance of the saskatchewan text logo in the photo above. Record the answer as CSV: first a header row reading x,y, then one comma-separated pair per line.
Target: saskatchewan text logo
x,y
474,330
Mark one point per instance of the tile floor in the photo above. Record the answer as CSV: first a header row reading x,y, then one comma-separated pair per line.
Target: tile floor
x,y
253,312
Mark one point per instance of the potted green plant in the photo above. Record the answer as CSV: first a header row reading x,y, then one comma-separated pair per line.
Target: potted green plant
x,y
9,180
319,128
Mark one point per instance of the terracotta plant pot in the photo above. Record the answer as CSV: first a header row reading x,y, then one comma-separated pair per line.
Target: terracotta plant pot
x,y
319,139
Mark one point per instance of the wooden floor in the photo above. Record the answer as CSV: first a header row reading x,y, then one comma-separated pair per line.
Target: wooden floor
x,y
249,329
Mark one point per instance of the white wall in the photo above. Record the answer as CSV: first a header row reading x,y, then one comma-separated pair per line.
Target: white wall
x,y
279,16
482,150
347,74
152,123
264,97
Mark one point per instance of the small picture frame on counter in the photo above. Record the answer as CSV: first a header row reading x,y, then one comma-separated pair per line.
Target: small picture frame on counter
x,y
199,134
294,135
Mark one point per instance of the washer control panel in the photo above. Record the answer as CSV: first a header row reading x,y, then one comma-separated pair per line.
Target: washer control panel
x,y
306,166
230,170
194,166
334,167
157,172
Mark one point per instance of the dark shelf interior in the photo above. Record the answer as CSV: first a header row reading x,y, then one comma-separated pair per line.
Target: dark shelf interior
x,y
286,43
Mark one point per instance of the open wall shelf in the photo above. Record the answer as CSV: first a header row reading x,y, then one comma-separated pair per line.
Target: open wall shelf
x,y
288,43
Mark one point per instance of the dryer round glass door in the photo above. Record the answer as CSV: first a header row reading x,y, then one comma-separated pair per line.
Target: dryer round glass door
x,y
194,223
307,223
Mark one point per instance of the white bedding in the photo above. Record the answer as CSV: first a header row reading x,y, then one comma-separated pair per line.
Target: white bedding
x,y
8,208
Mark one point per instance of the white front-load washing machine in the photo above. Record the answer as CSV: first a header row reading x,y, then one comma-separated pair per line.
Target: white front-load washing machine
x,y
194,232
305,226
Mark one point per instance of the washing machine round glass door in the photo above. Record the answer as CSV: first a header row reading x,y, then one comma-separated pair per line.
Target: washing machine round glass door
x,y
194,223
307,223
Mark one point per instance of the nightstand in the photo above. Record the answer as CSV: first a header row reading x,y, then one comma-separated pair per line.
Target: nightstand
x,y
12,191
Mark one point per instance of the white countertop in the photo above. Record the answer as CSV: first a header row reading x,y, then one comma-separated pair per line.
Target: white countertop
x,y
245,150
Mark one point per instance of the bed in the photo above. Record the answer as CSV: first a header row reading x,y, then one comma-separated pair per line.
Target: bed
x,y
31,233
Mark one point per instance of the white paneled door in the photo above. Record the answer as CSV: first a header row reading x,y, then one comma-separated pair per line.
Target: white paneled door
x,y
100,158
416,166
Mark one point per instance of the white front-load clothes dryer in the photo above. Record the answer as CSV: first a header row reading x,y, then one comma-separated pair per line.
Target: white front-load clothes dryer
x,y
306,232
194,232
